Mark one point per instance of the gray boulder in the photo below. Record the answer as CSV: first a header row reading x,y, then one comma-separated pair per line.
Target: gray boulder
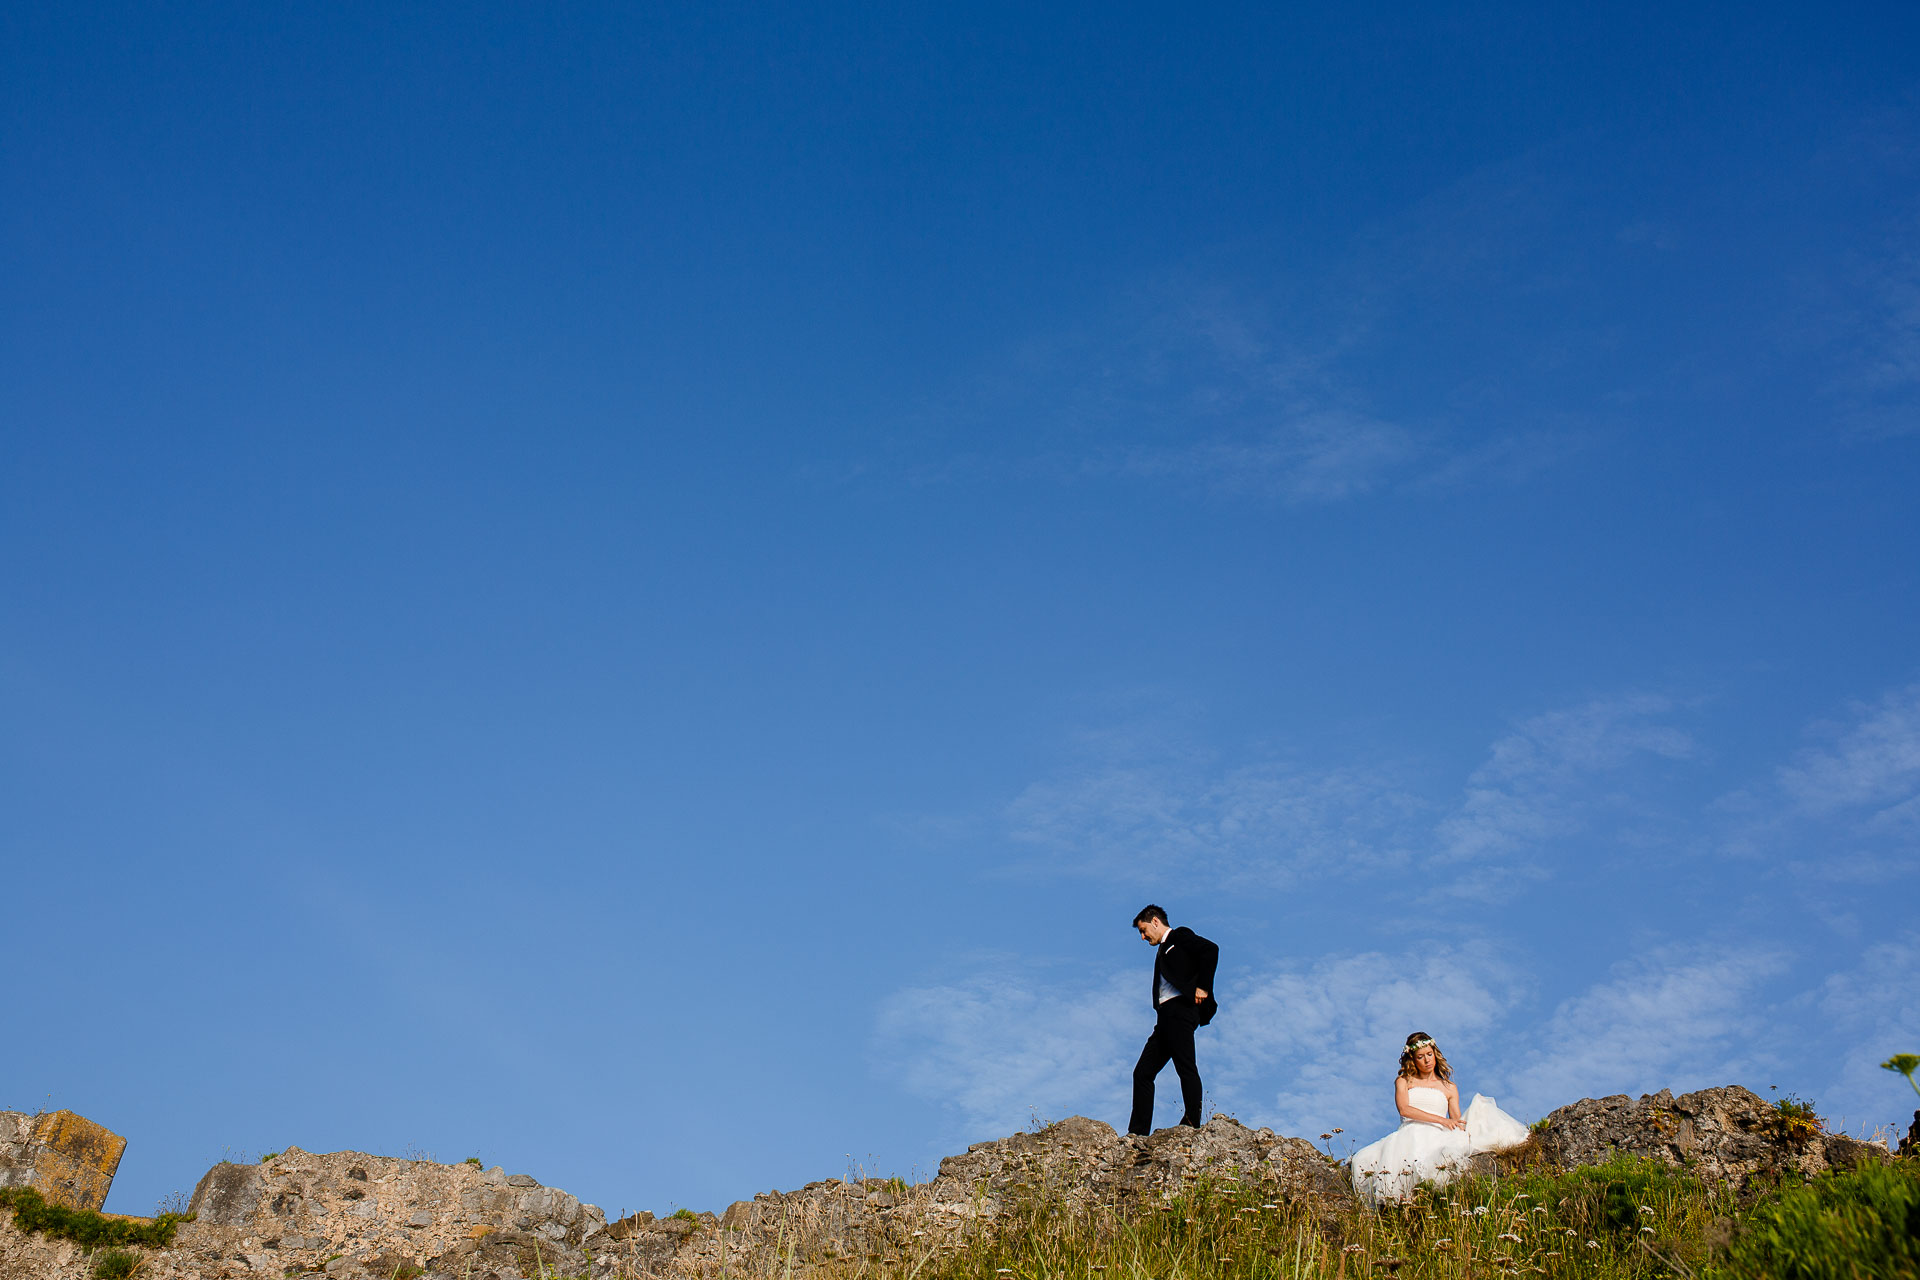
x,y
1727,1134
1085,1161
356,1214
65,1157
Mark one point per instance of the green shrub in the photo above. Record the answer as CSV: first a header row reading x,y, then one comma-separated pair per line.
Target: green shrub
x,y
1795,1118
1843,1226
32,1212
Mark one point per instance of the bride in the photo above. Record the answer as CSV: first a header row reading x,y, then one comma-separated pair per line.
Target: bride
x,y
1434,1140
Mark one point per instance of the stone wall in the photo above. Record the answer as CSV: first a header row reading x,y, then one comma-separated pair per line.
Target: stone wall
x,y
65,1157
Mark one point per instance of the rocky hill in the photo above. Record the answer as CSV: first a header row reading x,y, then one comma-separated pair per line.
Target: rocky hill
x,y
351,1216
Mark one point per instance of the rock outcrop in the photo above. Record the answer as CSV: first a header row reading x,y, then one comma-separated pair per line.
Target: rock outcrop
x,y
1085,1162
1727,1134
357,1214
65,1157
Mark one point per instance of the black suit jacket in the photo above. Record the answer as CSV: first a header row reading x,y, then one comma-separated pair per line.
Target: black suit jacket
x,y
1187,960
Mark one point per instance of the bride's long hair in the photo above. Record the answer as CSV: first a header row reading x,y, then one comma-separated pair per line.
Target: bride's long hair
x,y
1411,1072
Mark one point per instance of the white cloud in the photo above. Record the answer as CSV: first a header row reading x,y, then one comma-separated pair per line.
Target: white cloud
x,y
999,1047
1536,784
1225,389
1323,455
1873,768
1314,1046
1846,810
1299,1047
1877,339
1882,992
1513,458
1167,815
1682,1018
1308,1046
1136,807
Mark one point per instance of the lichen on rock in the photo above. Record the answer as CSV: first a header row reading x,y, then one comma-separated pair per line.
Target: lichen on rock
x,y
65,1157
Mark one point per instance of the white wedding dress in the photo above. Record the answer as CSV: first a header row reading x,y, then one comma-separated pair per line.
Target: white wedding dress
x,y
1387,1171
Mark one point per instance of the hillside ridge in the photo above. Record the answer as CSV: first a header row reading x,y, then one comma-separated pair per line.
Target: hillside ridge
x,y
355,1216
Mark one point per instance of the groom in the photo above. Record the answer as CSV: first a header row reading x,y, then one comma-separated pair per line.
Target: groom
x,y
1183,964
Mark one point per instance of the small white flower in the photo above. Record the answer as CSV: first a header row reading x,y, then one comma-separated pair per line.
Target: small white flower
x,y
1646,1231
1646,1208
1593,1244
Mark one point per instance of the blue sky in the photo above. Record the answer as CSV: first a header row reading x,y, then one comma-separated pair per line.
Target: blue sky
x,y
644,592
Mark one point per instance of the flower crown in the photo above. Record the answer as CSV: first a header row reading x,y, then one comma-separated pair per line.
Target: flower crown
x,y
1422,1043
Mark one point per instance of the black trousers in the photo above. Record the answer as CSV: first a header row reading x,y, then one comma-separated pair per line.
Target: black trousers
x,y
1172,1040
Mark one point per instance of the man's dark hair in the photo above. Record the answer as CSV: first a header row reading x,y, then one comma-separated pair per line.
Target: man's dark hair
x,y
1150,912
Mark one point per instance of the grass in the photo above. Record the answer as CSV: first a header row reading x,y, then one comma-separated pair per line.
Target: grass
x,y
1630,1219
1858,1224
115,1264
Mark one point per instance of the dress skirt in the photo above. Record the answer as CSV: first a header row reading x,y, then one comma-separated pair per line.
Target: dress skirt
x,y
1387,1171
